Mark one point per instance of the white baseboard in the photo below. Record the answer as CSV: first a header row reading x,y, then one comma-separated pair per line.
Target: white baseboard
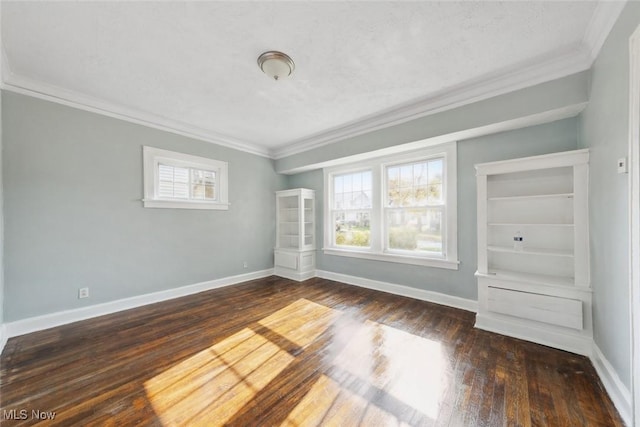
x,y
3,337
405,291
289,274
618,392
579,344
33,324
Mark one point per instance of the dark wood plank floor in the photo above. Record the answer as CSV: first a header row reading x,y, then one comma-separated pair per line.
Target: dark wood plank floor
x,y
276,352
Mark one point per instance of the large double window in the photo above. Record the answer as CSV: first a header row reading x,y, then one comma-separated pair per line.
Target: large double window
x,y
398,208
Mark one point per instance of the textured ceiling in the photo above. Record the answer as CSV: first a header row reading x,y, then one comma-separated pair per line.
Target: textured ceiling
x,y
193,64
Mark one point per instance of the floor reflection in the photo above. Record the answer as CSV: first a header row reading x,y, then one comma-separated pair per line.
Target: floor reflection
x,y
383,376
371,373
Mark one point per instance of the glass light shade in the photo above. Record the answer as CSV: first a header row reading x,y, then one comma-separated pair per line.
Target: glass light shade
x,y
276,65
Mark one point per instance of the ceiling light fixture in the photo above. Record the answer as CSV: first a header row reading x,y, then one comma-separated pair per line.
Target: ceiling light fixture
x,y
276,65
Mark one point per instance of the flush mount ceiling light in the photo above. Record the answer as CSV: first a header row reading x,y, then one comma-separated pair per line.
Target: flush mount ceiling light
x,y
276,65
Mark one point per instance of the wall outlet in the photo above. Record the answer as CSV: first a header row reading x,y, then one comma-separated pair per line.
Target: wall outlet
x,y
622,165
245,264
83,293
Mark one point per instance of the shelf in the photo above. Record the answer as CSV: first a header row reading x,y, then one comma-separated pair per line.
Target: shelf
x,y
515,224
533,197
532,251
532,278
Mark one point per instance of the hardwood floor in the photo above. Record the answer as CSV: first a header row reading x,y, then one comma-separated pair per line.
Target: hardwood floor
x,y
275,352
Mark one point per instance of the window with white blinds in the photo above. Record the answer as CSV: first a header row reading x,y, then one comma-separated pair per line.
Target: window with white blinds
x,y
177,180
186,183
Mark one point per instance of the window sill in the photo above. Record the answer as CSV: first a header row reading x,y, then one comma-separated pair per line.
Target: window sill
x,y
187,204
400,259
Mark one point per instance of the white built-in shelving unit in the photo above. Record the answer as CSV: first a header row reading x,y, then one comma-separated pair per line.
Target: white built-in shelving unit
x,y
295,234
537,289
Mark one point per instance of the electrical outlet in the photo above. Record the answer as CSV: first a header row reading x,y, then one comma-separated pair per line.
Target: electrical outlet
x,y
622,165
83,293
245,264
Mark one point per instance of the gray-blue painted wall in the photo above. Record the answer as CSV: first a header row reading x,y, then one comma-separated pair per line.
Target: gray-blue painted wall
x,y
548,138
604,129
73,215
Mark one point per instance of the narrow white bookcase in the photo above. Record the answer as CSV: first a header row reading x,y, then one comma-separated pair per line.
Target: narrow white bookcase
x,y
533,249
295,254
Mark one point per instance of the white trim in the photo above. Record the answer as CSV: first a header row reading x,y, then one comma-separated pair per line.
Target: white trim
x,y
47,92
293,275
602,21
186,204
405,291
544,161
3,337
618,392
400,259
538,70
33,324
377,250
153,157
524,330
634,216
512,124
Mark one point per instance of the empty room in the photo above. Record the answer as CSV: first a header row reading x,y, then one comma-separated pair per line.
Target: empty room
x,y
317,213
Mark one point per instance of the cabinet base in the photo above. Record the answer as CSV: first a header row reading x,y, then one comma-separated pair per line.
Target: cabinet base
x,y
574,343
293,275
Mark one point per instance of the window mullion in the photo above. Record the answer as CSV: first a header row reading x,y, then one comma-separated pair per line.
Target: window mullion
x,y
377,214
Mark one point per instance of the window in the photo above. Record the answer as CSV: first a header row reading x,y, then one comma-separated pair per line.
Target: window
x,y
177,180
414,207
399,208
351,212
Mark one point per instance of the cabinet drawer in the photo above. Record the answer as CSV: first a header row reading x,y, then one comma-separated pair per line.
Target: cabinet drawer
x,y
287,260
541,308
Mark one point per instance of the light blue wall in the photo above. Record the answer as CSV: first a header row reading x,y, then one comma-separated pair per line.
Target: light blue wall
x,y
531,101
73,184
542,139
1,229
604,130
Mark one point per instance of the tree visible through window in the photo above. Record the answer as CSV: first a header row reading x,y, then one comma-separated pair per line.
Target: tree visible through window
x,y
351,211
414,206
396,208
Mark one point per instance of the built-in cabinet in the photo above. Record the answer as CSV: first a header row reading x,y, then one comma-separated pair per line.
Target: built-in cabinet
x,y
294,254
533,249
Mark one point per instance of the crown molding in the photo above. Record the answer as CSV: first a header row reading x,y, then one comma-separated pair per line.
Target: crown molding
x,y
602,21
553,66
25,86
540,70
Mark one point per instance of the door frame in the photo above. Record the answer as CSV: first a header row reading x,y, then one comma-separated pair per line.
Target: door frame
x,y
634,217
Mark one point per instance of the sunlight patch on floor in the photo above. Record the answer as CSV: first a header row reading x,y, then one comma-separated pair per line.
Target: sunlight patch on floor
x,y
211,386
407,367
380,376
301,322
330,404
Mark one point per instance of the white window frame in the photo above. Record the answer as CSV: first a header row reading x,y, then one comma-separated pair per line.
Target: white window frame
x,y
377,250
153,157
